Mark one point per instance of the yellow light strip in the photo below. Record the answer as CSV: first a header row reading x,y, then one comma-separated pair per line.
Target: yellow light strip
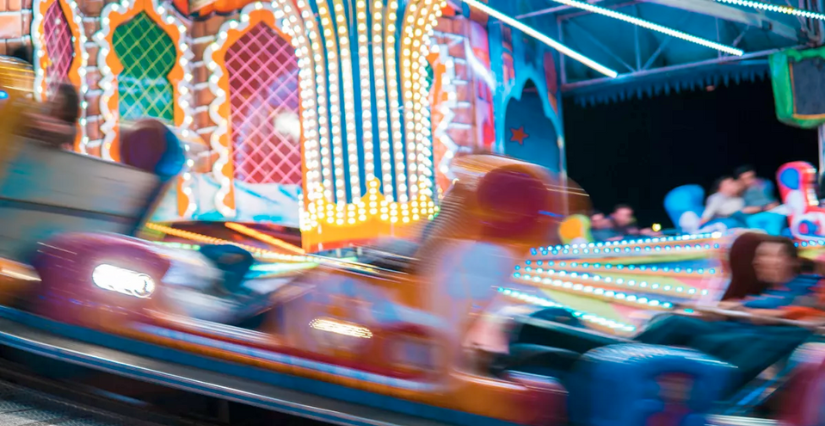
x,y
260,236
211,240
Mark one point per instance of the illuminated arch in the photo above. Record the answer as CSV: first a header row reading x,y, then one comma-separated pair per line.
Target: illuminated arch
x,y
142,15
259,27
58,37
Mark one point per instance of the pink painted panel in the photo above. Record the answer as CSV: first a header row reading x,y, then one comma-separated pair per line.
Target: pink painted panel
x,y
58,46
263,94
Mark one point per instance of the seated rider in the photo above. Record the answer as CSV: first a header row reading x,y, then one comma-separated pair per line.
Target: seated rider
x,y
55,125
750,344
725,202
601,227
758,193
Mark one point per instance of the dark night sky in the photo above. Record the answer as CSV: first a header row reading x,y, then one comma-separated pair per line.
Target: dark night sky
x,y
636,151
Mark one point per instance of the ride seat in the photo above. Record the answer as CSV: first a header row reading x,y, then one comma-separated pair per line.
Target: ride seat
x,y
233,261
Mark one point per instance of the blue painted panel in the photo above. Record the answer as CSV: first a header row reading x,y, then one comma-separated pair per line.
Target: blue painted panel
x,y
529,134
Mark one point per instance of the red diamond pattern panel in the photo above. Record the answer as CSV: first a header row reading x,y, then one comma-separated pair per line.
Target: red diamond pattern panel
x,y
263,93
58,45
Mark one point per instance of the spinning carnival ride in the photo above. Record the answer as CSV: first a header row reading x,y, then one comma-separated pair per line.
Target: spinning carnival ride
x,y
347,119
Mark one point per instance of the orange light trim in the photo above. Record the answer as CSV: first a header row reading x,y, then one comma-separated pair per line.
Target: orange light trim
x,y
260,236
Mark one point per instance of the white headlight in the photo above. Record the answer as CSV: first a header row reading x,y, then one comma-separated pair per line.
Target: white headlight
x,y
123,281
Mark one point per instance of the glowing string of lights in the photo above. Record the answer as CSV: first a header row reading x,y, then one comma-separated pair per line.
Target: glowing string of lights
x,y
79,61
330,41
788,10
390,22
192,236
407,77
651,26
627,269
542,38
596,281
306,24
591,318
600,293
260,236
366,101
424,144
605,247
345,53
381,97
383,121
301,29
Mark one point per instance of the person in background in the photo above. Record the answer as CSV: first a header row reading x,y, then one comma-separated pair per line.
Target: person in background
x,y
624,221
726,200
601,227
758,192
55,126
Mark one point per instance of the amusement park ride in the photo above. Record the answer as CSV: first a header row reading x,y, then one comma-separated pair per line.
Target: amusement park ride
x,y
217,229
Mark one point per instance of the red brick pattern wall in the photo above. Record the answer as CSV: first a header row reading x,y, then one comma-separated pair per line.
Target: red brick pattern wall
x,y
15,24
454,32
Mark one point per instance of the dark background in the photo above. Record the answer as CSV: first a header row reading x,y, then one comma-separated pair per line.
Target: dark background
x,y
636,151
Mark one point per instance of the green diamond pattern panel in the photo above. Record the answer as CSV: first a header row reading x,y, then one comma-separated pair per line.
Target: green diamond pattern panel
x,y
148,55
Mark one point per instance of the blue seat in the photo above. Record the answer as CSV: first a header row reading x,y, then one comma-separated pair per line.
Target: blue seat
x,y
685,205
633,384
233,261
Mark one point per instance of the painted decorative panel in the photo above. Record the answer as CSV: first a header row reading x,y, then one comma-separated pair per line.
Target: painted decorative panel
x,y
263,92
147,55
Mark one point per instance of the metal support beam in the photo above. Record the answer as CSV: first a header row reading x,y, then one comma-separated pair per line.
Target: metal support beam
x,y
644,73
549,10
657,53
601,46
739,38
729,13
665,42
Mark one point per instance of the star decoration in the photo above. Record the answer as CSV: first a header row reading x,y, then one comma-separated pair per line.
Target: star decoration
x,y
519,135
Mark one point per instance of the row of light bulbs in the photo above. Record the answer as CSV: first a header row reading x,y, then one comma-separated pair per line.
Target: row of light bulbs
x,y
403,141
321,111
644,286
593,319
372,205
620,268
639,301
